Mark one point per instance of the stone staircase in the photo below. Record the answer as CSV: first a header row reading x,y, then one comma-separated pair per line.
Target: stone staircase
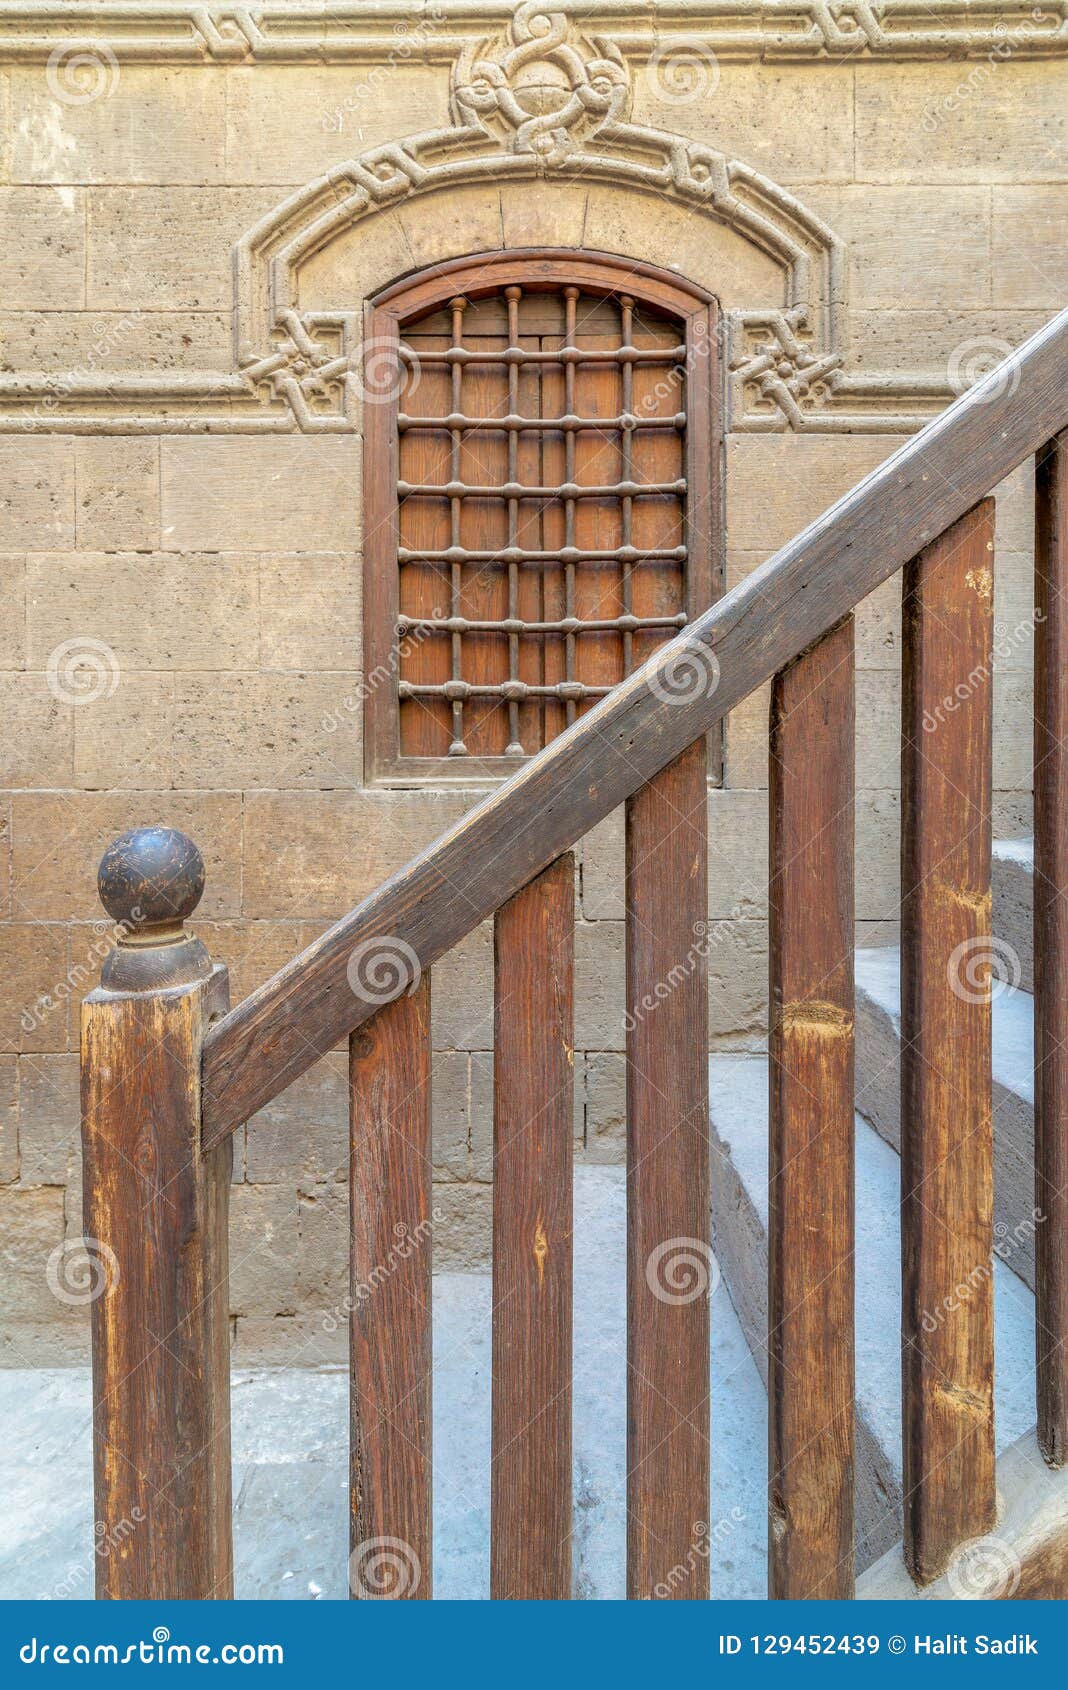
x,y
739,1114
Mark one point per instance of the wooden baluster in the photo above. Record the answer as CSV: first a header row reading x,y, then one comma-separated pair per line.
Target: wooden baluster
x,y
946,1135
1051,947
533,1123
390,1330
810,1173
669,1258
155,1211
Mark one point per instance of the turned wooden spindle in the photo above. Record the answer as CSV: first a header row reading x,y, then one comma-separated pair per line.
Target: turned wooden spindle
x,y
155,1214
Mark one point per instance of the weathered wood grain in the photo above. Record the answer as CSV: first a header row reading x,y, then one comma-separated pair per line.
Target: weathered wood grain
x,y
533,1123
947,1190
1051,947
757,628
810,1173
669,1250
390,1331
155,1216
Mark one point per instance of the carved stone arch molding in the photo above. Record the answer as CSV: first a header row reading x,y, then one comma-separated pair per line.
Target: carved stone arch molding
x,y
539,102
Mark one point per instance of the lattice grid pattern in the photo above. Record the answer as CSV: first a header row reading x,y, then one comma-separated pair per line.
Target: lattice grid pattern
x,y
541,550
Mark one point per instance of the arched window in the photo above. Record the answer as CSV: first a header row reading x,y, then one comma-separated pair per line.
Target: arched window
x,y
542,506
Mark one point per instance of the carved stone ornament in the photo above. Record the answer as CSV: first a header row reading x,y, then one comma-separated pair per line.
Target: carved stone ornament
x,y
543,88
537,96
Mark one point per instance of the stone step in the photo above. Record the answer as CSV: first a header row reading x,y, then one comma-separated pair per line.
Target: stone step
x,y
1013,867
878,979
738,1090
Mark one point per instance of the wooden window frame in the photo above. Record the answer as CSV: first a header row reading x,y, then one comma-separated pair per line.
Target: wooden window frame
x,y
476,276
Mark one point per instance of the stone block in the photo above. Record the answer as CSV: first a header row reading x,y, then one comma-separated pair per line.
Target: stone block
x,y
452,223
58,839
737,984
302,1340
12,612
239,494
908,341
254,950
1014,522
36,493
1027,239
1013,730
124,741
792,122
343,111
164,249
293,864
540,219
778,483
605,1099
737,858
451,1115
600,985
302,1136
37,747
481,1115
153,611
909,245
49,1119
61,342
355,264
31,1223
265,1249
42,248
310,611
989,119
146,123
9,1120
260,730
117,493
461,998
463,1229
878,854
1014,614
34,988
658,231
323,1260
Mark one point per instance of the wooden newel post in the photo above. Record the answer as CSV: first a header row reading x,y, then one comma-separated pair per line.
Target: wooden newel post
x,y
155,1214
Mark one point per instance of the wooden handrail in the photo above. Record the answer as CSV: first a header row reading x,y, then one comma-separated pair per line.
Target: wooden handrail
x,y
787,604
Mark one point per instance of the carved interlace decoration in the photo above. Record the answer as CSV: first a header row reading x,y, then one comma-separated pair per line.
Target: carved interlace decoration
x,y
544,89
536,95
313,379
776,370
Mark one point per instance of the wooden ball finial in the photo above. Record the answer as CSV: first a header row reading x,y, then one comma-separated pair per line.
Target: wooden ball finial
x,y
150,880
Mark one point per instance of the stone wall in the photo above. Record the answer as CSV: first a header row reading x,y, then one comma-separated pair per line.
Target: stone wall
x,y
879,208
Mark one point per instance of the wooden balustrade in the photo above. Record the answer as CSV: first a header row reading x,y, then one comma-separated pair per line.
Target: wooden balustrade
x,y
1051,947
533,1127
810,1136
669,1246
947,1146
163,1088
389,1293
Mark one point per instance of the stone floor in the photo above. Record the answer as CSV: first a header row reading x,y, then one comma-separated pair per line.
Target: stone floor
x,y
289,1444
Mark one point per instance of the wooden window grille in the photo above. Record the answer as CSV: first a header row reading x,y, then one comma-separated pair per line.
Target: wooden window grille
x,y
541,497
